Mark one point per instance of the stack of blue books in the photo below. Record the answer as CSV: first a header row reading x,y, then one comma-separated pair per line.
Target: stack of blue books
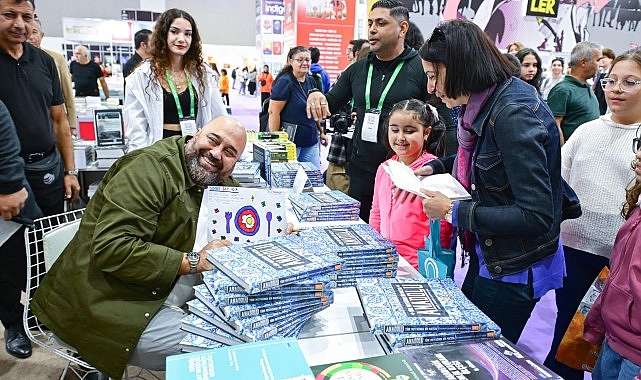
x,y
248,174
367,253
325,206
414,312
258,291
283,174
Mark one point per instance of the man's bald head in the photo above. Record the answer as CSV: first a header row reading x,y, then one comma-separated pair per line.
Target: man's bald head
x,y
214,150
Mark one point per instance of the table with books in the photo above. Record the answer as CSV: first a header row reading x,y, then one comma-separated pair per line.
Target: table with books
x,y
345,294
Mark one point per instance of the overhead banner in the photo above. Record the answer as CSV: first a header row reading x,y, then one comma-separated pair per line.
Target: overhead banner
x,y
327,25
542,8
95,30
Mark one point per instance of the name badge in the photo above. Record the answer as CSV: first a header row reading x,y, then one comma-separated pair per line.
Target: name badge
x,y
188,127
370,126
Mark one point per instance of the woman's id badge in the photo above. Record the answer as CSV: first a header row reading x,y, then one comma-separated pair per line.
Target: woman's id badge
x,y
188,127
370,125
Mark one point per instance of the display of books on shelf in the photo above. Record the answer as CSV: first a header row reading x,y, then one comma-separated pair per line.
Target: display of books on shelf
x,y
240,214
393,366
246,171
280,358
404,178
415,310
271,263
495,359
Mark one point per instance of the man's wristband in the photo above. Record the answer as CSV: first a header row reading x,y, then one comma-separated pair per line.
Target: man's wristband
x,y
312,90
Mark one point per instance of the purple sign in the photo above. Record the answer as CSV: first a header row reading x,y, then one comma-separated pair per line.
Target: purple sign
x,y
273,7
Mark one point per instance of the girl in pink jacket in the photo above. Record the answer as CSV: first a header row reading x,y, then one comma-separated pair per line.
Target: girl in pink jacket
x,y
415,136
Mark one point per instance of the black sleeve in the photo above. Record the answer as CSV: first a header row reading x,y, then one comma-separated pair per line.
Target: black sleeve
x,y
11,164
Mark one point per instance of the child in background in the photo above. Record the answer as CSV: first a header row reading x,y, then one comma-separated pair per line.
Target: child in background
x,y
416,136
223,83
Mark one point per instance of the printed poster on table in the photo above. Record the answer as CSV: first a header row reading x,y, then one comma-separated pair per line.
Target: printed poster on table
x,y
245,215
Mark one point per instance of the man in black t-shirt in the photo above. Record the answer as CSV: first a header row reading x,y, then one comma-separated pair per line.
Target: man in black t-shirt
x,y
141,43
85,74
31,91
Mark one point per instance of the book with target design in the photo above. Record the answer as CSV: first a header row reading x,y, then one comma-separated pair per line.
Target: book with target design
x,y
242,214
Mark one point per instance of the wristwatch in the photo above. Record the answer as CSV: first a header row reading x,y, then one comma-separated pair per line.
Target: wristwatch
x,y
72,172
194,258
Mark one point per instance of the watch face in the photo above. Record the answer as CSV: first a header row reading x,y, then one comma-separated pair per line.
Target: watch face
x,y
193,257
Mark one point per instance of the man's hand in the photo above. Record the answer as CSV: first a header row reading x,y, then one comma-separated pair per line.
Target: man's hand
x,y
72,187
11,204
317,106
204,264
323,139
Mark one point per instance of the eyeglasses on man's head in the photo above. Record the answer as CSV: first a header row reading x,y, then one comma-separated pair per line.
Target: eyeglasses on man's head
x,y
626,85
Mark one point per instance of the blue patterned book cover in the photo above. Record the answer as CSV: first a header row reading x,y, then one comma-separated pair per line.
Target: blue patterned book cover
x,y
279,358
324,201
260,321
398,340
272,263
204,295
249,310
201,311
219,283
246,170
418,305
226,299
241,214
192,343
346,275
280,328
347,241
195,325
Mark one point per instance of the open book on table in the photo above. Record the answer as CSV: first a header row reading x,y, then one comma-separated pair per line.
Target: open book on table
x,y
404,178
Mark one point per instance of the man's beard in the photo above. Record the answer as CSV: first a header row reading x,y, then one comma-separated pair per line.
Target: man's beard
x,y
198,174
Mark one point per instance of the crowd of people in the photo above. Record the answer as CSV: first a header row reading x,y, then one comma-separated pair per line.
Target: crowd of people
x,y
545,156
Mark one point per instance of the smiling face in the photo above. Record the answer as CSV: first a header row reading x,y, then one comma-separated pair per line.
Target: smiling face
x,y
406,135
529,67
556,68
214,150
16,23
436,84
179,37
300,63
625,106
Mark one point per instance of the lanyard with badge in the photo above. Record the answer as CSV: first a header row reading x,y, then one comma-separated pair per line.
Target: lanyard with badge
x,y
373,115
187,124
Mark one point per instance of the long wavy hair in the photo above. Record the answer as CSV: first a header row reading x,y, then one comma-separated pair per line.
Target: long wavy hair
x,y
192,60
536,81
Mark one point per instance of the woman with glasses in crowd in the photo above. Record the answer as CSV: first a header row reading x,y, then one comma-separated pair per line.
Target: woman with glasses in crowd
x,y
288,103
555,77
509,160
594,161
174,92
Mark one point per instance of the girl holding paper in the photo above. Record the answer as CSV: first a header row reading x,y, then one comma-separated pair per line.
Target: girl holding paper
x,y
415,136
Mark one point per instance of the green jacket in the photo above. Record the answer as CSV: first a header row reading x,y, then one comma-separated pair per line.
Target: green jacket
x,y
122,263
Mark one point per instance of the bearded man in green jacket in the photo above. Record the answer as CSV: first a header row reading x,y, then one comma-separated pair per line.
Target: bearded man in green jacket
x,y
112,293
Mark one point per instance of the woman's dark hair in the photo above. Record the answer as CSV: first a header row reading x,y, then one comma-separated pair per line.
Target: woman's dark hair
x,y
192,60
414,37
472,61
558,59
287,68
426,115
536,81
